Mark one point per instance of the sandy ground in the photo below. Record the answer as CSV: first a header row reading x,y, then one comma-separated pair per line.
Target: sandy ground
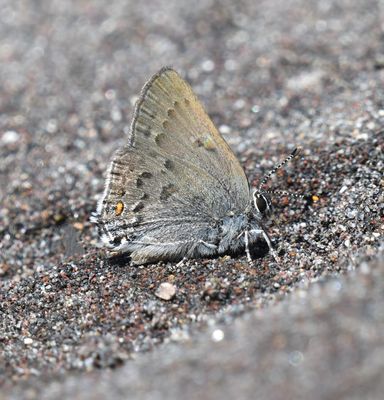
x,y
75,323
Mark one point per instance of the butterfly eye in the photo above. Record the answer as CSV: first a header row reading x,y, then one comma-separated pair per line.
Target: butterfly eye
x,y
261,203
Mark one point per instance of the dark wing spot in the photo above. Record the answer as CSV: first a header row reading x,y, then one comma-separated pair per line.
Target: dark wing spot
x,y
139,182
138,206
167,191
198,142
171,113
175,103
165,124
169,164
187,102
159,139
146,175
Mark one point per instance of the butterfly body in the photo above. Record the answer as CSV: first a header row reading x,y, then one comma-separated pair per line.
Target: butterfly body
x,y
175,189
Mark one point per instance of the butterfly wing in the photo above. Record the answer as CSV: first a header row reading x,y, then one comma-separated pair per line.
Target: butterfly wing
x,y
175,178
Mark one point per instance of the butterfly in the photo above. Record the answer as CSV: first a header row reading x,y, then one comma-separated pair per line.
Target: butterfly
x,y
176,190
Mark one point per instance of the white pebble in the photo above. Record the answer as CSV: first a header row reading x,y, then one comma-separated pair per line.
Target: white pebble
x,y
10,137
371,125
165,291
52,126
28,340
255,109
217,335
239,104
362,136
208,65
110,94
295,358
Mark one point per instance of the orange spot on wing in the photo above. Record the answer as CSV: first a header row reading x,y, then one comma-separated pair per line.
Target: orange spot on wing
x,y
119,208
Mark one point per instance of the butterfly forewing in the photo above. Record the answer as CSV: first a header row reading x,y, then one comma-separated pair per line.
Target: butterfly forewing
x,y
170,116
176,168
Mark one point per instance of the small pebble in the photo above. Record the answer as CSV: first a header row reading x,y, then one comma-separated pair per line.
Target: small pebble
x,y
10,137
165,291
208,65
217,335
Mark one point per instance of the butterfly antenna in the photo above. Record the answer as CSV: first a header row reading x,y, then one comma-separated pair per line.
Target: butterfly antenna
x,y
309,198
267,177
285,193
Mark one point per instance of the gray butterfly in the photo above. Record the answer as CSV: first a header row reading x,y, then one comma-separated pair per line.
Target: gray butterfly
x,y
176,189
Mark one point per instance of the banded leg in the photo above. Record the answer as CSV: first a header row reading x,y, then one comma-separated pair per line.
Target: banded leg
x,y
248,253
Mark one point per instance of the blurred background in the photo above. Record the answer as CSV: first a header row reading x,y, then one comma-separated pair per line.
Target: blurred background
x,y
69,65
272,74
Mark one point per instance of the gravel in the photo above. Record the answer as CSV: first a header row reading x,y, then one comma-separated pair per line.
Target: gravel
x,y
273,75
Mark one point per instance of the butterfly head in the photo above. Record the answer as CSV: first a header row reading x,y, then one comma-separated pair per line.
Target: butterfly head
x,y
262,203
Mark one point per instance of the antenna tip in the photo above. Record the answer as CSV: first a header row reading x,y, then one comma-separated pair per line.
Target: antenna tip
x,y
311,199
296,151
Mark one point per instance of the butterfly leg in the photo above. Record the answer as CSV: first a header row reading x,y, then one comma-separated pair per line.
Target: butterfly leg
x,y
181,262
248,253
209,245
271,249
204,248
